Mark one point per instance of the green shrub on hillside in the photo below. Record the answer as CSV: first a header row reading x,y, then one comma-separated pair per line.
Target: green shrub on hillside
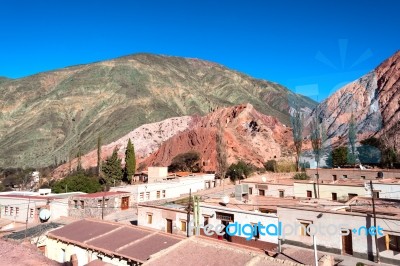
x,y
77,182
271,166
301,176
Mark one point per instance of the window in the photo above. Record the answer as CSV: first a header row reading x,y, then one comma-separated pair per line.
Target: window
x,y
149,218
334,196
147,195
82,204
163,193
141,196
376,194
250,191
303,228
344,176
106,203
11,211
261,192
183,225
281,193
5,210
76,204
16,211
334,177
352,195
158,194
363,177
206,220
99,203
309,194
392,242
31,213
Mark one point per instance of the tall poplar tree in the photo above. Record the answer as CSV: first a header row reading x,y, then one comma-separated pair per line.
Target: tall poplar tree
x,y
130,161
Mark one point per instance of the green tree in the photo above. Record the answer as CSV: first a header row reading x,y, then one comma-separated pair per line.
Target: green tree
x,y
352,156
111,169
130,161
221,152
77,182
389,157
339,156
296,120
79,167
99,155
317,139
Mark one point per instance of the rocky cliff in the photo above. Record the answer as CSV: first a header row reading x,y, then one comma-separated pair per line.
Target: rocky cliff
x,y
373,99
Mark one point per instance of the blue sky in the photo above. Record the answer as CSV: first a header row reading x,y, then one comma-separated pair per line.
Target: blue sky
x,y
312,47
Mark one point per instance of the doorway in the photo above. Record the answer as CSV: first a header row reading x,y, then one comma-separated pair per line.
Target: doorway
x,y
226,236
124,203
347,243
169,226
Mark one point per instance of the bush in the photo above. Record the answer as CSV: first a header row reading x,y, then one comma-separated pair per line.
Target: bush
x,y
286,167
240,170
301,176
271,166
189,161
304,165
77,182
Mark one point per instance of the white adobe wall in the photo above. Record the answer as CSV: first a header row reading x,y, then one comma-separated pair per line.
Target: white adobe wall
x,y
386,191
242,217
325,190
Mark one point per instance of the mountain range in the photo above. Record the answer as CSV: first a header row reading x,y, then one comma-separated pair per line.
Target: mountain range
x,y
169,105
50,117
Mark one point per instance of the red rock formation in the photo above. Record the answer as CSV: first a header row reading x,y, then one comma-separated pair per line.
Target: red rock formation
x,y
249,135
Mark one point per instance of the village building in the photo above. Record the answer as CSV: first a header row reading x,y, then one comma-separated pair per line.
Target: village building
x,y
99,204
162,190
279,188
173,218
346,228
384,189
90,240
25,206
334,174
340,190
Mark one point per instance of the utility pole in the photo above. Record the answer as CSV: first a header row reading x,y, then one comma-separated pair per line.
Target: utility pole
x,y
373,211
27,216
188,213
102,208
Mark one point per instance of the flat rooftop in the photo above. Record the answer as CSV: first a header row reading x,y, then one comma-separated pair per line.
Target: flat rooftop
x,y
102,194
201,251
132,242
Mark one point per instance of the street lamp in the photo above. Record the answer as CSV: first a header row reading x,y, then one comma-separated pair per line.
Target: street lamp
x,y
315,244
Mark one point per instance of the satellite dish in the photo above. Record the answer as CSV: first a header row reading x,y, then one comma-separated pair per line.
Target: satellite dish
x,y
44,214
225,199
264,179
